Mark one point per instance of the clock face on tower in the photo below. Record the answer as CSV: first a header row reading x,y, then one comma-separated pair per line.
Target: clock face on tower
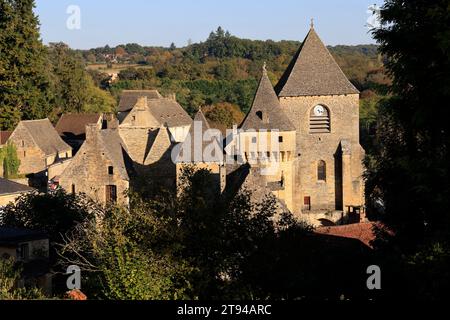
x,y
319,111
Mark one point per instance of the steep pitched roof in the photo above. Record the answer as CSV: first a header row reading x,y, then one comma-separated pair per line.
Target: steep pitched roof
x,y
115,149
160,147
45,136
140,116
191,142
4,136
73,125
129,98
11,187
169,112
138,142
266,112
313,71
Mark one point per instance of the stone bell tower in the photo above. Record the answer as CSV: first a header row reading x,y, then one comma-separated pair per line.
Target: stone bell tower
x,y
323,105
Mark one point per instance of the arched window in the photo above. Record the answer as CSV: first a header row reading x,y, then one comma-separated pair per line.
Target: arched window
x,y
319,119
322,171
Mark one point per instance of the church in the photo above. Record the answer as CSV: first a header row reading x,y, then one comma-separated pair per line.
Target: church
x,y
312,165
314,110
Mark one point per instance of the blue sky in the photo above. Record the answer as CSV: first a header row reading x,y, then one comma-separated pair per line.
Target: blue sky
x,y
160,22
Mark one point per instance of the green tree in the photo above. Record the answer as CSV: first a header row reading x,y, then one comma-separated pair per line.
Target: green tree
x,y
74,88
10,161
411,171
10,274
24,79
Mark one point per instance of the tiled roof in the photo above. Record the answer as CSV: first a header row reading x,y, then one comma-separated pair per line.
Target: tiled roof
x,y
129,98
45,136
11,187
115,149
313,71
360,231
169,112
4,135
266,112
72,125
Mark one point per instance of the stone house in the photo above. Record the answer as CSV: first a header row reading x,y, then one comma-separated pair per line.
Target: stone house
x,y
101,169
31,249
163,112
38,146
71,127
10,191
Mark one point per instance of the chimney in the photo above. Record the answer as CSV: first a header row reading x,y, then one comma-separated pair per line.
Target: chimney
x,y
109,121
91,132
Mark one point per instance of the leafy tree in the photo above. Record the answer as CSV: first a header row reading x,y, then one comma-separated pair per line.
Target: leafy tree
x,y
9,276
10,161
75,89
24,79
411,169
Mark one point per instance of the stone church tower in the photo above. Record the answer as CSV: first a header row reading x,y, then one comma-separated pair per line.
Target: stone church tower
x,y
267,142
323,106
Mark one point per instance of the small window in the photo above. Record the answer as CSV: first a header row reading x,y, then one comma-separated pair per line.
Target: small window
x,y
280,139
104,124
73,189
23,143
24,154
254,140
110,170
259,114
322,171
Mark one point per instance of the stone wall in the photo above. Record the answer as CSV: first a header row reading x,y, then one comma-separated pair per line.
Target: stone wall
x,y
88,173
326,195
32,159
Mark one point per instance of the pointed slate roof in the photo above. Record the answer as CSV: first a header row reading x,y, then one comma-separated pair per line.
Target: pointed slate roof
x,y
114,147
266,112
159,148
313,72
45,136
196,151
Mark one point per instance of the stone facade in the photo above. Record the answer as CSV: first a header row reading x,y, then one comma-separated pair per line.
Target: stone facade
x,y
343,183
38,146
98,167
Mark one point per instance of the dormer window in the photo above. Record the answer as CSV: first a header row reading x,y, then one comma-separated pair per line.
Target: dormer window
x,y
259,114
319,120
